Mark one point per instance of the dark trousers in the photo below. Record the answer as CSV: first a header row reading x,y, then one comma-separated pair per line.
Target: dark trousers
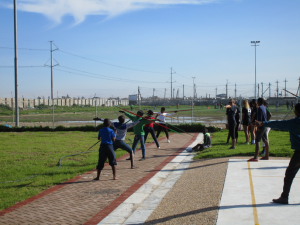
x,y
106,151
290,173
150,130
160,128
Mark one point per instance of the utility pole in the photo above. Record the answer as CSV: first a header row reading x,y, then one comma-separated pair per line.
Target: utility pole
x,y
216,92
193,87
227,90
235,91
16,65
262,89
258,90
51,50
277,90
171,83
285,86
193,99
255,44
269,90
173,93
153,93
183,92
139,98
165,94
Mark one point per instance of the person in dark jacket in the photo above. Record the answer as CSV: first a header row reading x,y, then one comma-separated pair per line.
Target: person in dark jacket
x,y
206,143
293,126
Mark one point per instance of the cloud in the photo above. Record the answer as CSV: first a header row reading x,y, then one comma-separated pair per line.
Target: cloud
x,y
80,9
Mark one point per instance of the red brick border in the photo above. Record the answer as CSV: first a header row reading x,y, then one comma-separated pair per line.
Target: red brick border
x,y
113,205
57,187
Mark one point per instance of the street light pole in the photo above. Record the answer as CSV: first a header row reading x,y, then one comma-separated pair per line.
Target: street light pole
x,y
255,44
193,98
16,65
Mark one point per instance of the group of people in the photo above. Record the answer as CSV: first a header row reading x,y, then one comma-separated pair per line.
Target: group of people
x,y
256,121
112,139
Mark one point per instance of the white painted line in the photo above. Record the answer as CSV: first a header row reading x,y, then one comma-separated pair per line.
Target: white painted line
x,y
141,204
267,177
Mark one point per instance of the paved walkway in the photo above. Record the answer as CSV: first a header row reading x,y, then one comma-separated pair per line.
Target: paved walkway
x,y
82,200
168,188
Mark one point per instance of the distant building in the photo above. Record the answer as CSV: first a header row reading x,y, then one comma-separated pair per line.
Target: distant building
x,y
221,96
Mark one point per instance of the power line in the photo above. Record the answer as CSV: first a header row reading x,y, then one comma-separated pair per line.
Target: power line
x,y
32,49
109,64
102,76
19,66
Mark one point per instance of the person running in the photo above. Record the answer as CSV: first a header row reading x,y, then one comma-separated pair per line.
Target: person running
x,y
162,121
293,126
261,133
246,118
106,149
148,128
231,113
253,129
138,131
121,131
206,143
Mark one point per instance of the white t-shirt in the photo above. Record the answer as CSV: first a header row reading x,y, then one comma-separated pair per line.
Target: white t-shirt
x,y
162,116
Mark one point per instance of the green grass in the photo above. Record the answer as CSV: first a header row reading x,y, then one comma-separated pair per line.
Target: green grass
x,y
280,146
30,153
77,113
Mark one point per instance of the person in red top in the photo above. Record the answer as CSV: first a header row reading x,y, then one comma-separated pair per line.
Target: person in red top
x,y
148,128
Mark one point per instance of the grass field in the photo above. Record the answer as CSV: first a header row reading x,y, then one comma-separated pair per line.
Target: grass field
x,y
280,146
27,153
76,113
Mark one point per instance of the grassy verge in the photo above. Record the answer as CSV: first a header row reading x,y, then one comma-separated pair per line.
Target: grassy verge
x,y
30,153
280,146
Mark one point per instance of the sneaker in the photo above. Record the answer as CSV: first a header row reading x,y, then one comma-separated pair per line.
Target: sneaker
x,y
168,141
263,152
158,147
153,141
128,158
281,200
142,159
232,147
246,143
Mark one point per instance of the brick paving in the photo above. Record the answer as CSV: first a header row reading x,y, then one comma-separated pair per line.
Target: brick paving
x,y
82,200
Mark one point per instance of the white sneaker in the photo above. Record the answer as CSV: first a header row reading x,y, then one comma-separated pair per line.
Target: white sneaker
x,y
158,147
168,141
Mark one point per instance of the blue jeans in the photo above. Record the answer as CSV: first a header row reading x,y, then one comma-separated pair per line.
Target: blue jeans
x,y
136,140
122,145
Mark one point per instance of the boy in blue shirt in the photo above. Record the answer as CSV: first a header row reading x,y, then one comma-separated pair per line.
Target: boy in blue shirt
x,y
106,150
293,126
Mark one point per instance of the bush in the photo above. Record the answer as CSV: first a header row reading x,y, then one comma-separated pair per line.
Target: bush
x,y
7,107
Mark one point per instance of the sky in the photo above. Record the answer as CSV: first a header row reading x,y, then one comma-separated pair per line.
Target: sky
x,y
109,48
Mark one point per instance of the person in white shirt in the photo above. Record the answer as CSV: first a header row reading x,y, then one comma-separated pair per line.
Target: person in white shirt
x,y
162,117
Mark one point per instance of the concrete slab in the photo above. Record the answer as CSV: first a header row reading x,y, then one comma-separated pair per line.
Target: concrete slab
x,y
248,192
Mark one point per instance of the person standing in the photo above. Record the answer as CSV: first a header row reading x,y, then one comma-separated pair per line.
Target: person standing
x,y
253,129
246,118
261,133
231,113
293,126
162,121
148,128
106,149
269,115
138,131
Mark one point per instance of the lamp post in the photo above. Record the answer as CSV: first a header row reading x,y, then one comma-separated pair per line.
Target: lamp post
x,y
193,98
254,43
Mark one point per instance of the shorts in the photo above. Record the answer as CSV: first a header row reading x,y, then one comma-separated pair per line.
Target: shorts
x,y
231,129
106,151
246,123
261,134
